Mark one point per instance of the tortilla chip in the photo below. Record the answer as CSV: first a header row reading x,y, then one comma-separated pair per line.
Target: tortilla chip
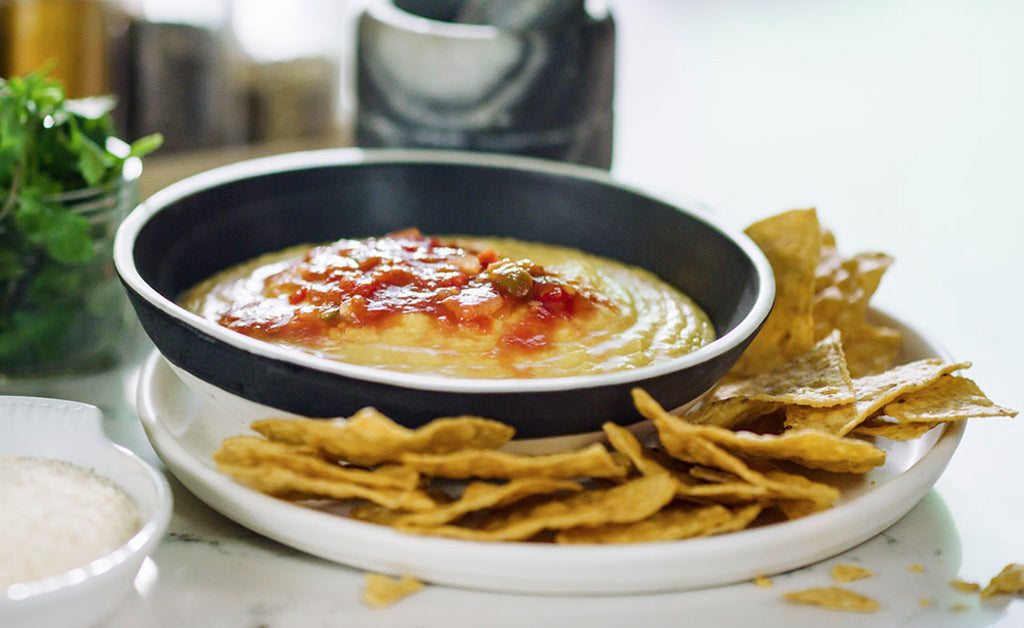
x,y
810,448
850,573
712,475
669,524
728,493
834,598
381,591
628,502
950,398
871,350
885,427
790,487
690,443
872,392
729,413
253,451
843,289
594,461
1009,581
483,495
799,508
792,243
284,482
707,485
627,444
965,587
370,438
816,378
684,441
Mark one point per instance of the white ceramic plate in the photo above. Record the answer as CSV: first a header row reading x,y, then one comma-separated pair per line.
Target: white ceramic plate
x,y
70,431
185,431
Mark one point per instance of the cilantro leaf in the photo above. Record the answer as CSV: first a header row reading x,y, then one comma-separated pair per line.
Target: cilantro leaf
x,y
52,282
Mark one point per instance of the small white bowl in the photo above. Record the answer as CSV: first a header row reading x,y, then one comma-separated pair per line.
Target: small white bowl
x,y
70,431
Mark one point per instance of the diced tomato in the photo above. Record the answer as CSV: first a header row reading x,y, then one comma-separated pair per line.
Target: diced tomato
x,y
298,296
487,257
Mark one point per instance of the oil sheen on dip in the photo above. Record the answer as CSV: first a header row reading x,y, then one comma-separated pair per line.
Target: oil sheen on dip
x,y
456,306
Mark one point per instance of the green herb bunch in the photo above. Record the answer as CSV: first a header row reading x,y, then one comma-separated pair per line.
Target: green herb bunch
x,y
51,145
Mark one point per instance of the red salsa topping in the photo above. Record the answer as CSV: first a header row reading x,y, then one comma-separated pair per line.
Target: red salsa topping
x,y
355,283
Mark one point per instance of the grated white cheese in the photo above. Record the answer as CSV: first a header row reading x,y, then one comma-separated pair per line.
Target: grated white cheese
x,y
55,516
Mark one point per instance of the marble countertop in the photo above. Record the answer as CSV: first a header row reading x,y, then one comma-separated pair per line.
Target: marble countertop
x,y
901,122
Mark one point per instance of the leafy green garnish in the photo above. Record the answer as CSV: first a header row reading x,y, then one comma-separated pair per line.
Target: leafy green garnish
x,y
49,146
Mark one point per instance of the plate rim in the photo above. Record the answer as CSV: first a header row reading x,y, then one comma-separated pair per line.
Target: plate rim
x,y
551,569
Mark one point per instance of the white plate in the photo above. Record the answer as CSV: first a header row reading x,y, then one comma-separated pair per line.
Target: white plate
x,y
70,431
185,432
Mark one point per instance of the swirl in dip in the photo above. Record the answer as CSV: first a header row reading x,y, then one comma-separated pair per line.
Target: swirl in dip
x,y
456,306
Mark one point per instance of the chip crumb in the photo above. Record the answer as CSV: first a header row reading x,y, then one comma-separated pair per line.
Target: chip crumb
x,y
916,568
763,582
834,598
959,608
382,591
965,587
924,602
1010,580
849,573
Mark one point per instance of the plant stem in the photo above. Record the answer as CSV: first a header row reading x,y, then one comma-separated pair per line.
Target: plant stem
x,y
12,194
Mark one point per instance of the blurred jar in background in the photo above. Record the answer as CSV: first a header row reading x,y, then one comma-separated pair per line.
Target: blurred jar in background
x,y
174,67
69,35
531,77
292,54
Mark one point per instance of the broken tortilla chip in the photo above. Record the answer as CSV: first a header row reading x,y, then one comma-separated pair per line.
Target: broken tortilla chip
x,y
729,413
381,591
817,378
811,448
871,350
628,502
843,290
872,392
1009,581
850,573
483,495
672,523
886,427
370,438
281,481
792,243
593,461
253,451
834,598
949,398
627,444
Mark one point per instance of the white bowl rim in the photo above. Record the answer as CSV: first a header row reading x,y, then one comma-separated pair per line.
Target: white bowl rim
x,y
387,12
142,542
251,168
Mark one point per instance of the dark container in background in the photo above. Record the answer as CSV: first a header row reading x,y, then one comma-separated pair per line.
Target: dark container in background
x,y
538,84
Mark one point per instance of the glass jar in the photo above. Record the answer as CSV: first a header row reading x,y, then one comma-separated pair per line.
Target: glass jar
x,y
69,319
